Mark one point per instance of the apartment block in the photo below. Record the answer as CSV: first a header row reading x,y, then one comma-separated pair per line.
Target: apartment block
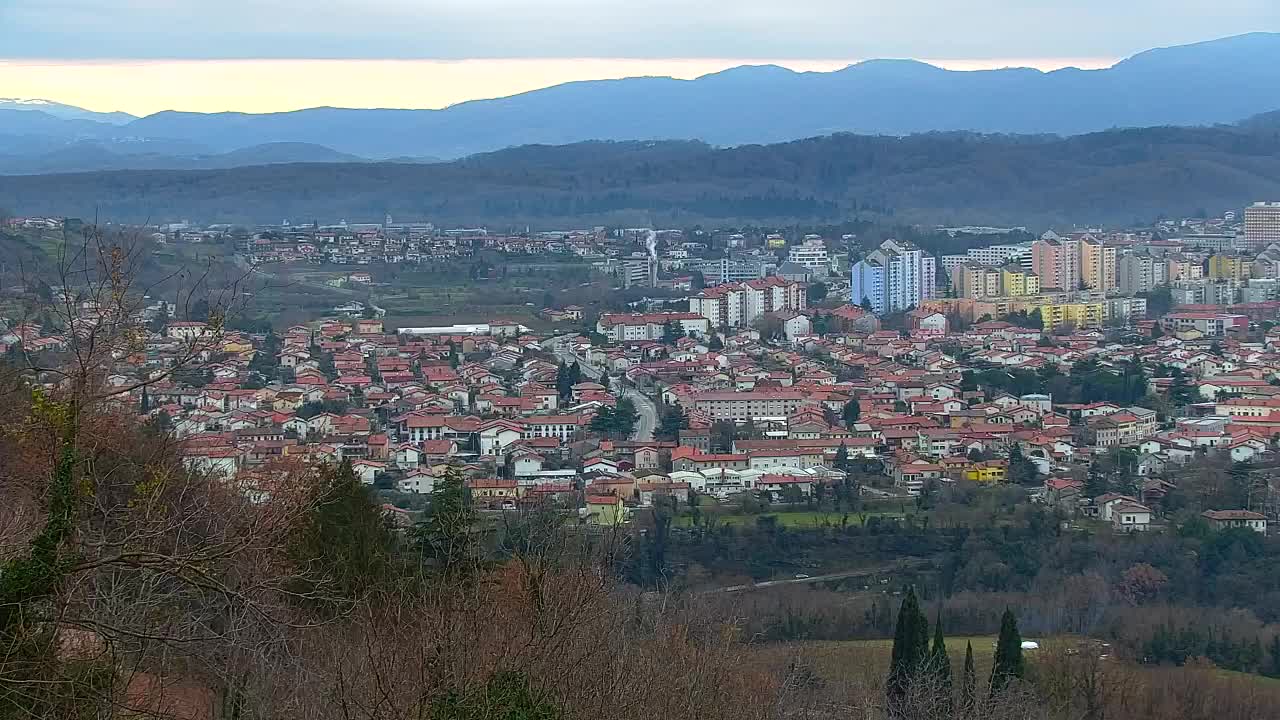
x,y
739,305
1261,226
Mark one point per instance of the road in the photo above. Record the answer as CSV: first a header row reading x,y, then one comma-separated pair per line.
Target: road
x,y
645,409
865,572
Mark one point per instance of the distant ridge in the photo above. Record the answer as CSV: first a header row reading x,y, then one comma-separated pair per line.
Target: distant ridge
x,y
1213,82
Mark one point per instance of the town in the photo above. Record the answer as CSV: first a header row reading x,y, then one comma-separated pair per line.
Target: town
x,y
1086,368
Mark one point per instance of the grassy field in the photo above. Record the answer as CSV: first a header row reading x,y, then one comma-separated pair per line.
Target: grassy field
x,y
864,663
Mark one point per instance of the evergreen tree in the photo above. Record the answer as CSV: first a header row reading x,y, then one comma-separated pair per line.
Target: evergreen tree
x,y
910,653
842,458
344,543
940,665
1180,391
669,333
969,685
672,421
851,412
625,417
1275,656
1008,660
145,404
563,386
445,535
715,343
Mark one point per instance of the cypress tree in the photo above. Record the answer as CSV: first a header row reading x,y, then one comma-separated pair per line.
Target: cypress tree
x,y
1008,661
910,652
940,665
969,685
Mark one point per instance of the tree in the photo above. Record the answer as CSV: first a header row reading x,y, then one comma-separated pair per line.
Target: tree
x,y
910,653
723,434
816,292
842,458
1180,391
507,696
1021,470
1008,665
604,422
344,539
866,304
669,333
851,412
445,536
969,685
940,667
671,422
625,417
715,343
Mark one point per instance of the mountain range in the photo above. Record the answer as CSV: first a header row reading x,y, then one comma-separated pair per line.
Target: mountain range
x,y
954,178
1218,81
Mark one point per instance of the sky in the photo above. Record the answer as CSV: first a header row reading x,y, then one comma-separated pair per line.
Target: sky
x,y
142,56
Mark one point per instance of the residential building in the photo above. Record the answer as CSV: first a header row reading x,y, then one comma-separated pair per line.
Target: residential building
x,y
1231,519
867,286
896,276
1015,281
1205,322
1079,315
1261,226
743,406
739,305
1229,267
813,255
650,326
1139,272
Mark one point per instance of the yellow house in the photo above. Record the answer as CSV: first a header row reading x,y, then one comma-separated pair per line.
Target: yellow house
x,y
1082,315
1229,267
606,510
238,347
991,471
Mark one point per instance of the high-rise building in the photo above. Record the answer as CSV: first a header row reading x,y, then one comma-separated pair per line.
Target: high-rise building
x,y
972,280
867,286
1097,265
895,276
1067,263
1261,226
1056,260
1137,273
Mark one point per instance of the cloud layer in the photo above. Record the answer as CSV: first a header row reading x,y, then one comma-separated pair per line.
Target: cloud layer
x,y
456,29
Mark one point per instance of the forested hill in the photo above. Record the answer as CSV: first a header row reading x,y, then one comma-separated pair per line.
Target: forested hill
x,y
1118,176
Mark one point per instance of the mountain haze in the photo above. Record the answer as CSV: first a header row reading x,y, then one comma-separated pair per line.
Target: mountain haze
x,y
1218,81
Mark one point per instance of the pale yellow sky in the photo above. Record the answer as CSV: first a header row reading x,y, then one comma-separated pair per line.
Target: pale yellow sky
x,y
144,87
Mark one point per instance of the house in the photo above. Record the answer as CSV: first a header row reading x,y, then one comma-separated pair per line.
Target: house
x,y
526,464
366,470
1230,519
408,456
1127,516
417,481
605,510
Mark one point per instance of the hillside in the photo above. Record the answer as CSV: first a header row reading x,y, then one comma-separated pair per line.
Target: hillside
x,y
92,156
1201,84
1118,176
